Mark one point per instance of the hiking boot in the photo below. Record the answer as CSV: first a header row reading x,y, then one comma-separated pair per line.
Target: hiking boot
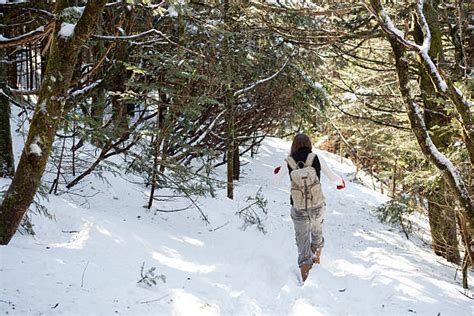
x,y
304,268
316,254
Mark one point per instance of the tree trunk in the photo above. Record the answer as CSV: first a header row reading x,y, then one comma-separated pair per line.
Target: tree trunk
x,y
10,55
450,172
156,148
7,165
236,163
230,142
469,43
12,72
442,218
98,107
119,117
443,227
229,99
48,114
99,96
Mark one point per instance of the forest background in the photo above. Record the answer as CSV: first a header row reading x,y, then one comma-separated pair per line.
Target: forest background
x,y
177,88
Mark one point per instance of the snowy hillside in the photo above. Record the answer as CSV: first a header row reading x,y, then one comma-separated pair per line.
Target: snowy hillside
x,y
88,261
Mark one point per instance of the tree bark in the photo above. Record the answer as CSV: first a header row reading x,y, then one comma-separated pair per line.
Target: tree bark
x,y
442,221
469,43
99,96
7,165
236,162
451,174
442,218
229,98
48,114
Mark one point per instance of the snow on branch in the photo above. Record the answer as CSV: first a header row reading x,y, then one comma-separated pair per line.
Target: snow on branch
x,y
438,156
457,183
314,85
67,29
23,92
424,27
425,48
253,85
422,50
389,24
207,130
30,37
150,32
84,90
302,9
41,11
146,6
130,37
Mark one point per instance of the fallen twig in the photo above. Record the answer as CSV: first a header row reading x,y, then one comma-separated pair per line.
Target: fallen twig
x,y
213,230
155,300
466,295
173,211
83,273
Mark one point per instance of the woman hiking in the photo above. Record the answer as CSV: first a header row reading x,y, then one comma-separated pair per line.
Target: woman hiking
x,y
307,200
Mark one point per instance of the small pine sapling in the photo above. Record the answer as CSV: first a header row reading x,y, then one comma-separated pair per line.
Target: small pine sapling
x,y
252,213
395,212
149,278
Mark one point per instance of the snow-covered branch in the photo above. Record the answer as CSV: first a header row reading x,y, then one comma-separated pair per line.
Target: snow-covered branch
x,y
146,6
253,85
208,129
314,85
130,37
437,155
151,32
424,49
417,121
424,27
76,93
41,11
387,25
30,37
451,173
23,92
442,84
302,9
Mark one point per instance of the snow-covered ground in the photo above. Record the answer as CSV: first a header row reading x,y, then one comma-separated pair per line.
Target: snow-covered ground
x,y
88,261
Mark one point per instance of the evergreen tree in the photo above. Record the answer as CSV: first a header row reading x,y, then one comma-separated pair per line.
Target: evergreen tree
x,y
48,113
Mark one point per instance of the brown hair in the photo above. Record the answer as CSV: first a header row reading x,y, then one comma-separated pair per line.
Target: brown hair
x,y
300,141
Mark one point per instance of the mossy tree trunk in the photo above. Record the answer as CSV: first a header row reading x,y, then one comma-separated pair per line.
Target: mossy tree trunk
x,y
457,184
442,218
48,114
451,174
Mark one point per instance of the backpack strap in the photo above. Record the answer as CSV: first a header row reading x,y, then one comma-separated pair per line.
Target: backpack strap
x,y
291,162
309,160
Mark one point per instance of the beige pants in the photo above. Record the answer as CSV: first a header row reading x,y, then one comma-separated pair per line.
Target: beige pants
x,y
308,232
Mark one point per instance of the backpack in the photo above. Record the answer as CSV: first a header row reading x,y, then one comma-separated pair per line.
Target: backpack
x,y
306,189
